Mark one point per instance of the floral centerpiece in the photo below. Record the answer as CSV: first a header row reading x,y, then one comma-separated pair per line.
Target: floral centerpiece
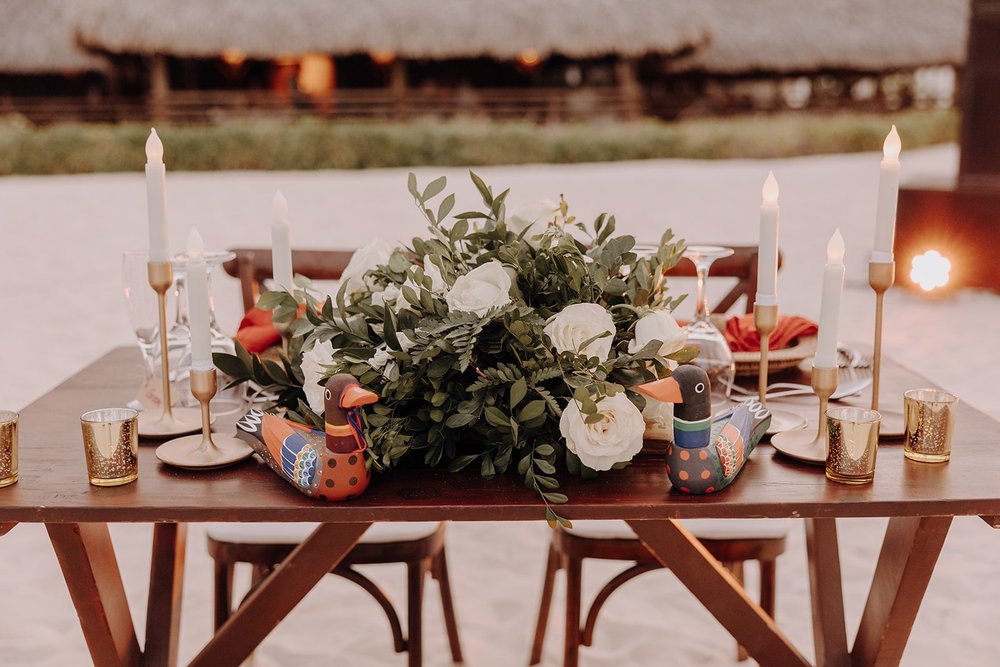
x,y
501,340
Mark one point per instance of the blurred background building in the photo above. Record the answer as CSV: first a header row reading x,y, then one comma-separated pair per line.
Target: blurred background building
x,y
536,60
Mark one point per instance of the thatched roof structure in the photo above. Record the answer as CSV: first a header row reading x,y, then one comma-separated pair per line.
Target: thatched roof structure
x,y
432,29
795,36
39,36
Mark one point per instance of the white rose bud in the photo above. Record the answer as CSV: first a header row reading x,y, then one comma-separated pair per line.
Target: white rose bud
x,y
313,372
371,256
480,290
434,273
578,323
658,325
538,216
616,438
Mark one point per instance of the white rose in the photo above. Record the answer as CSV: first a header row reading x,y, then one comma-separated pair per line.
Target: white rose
x,y
480,290
538,216
579,322
658,325
313,372
376,253
434,273
389,298
616,438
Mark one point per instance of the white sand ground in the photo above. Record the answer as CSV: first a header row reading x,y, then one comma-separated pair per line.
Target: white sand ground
x,y
61,240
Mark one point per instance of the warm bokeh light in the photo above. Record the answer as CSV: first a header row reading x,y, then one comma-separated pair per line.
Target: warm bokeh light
x,y
528,57
233,57
316,74
930,270
383,56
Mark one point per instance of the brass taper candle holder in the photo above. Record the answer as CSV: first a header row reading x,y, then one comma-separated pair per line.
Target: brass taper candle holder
x,y
765,318
171,421
881,276
208,450
809,445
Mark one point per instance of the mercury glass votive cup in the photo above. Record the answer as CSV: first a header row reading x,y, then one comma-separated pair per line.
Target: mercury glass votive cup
x,y
8,447
852,444
111,443
929,416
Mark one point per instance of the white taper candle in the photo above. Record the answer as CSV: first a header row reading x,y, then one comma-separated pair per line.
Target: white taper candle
x,y
156,198
829,316
198,304
767,249
281,247
888,193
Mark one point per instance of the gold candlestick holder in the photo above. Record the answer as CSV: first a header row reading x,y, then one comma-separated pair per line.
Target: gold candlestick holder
x,y
809,445
881,276
765,318
171,421
207,450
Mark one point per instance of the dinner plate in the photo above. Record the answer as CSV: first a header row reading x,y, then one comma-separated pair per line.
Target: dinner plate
x,y
748,363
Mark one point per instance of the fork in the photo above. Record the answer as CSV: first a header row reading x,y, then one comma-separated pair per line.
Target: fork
x,y
782,389
849,358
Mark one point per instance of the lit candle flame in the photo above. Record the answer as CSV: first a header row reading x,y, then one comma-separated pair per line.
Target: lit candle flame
x,y
154,147
835,248
930,270
770,189
891,146
195,244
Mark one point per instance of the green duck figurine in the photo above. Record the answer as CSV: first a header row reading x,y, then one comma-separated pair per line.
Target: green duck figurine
x,y
328,464
705,456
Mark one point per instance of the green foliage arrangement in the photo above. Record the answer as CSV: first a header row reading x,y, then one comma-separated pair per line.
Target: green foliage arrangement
x,y
481,337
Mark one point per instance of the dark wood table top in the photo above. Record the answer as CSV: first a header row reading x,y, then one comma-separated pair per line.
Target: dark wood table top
x,y
53,484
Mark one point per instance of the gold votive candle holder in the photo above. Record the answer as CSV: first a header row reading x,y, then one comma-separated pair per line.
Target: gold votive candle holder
x,y
8,447
929,417
852,437
111,443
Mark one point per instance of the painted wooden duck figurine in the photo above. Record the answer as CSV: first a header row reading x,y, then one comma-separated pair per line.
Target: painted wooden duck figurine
x,y
328,464
705,456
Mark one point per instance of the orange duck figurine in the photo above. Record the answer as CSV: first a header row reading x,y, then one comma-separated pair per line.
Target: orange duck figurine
x,y
327,465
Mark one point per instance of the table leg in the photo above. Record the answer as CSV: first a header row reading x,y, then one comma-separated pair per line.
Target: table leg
x,y
89,566
909,552
717,590
166,583
829,631
279,593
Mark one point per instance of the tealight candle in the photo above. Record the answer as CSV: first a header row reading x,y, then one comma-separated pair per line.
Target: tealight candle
x,y
281,248
888,193
198,305
829,317
767,248
156,198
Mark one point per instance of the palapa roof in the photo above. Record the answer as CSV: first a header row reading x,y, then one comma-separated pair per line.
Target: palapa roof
x,y
431,29
38,36
797,36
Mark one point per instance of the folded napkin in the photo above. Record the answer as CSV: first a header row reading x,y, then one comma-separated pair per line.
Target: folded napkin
x,y
257,332
742,336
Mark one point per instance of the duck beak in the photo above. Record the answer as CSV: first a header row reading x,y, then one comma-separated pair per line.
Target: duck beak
x,y
354,396
666,390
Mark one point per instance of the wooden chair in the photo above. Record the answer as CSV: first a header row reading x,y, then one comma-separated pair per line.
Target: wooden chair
x,y
420,546
731,542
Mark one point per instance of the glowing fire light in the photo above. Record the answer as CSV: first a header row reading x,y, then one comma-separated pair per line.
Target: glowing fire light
x,y
930,270
233,57
383,56
528,57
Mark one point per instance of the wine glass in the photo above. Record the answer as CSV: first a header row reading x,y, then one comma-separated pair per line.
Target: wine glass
x,y
141,307
714,354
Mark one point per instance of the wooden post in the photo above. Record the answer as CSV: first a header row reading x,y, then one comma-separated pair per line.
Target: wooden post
x,y
398,88
627,77
159,85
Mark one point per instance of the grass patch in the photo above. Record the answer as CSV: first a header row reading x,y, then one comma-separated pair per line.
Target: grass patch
x,y
315,144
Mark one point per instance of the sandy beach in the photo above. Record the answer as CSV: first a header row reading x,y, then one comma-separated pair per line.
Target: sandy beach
x,y
62,307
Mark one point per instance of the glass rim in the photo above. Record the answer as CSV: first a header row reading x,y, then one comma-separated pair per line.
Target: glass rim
x,y
8,416
104,415
857,415
942,397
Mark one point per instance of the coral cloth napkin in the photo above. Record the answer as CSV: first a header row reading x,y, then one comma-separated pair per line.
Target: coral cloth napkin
x,y
742,336
257,332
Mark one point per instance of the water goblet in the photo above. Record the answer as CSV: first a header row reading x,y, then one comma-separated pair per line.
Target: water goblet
x,y
714,354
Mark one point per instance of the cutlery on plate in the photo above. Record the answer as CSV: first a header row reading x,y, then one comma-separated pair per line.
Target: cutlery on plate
x,y
782,389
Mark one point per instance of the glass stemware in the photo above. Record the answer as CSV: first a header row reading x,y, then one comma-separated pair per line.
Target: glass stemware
x,y
140,306
714,354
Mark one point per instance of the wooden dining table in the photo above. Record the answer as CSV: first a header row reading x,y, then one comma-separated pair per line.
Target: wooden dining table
x,y
919,499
